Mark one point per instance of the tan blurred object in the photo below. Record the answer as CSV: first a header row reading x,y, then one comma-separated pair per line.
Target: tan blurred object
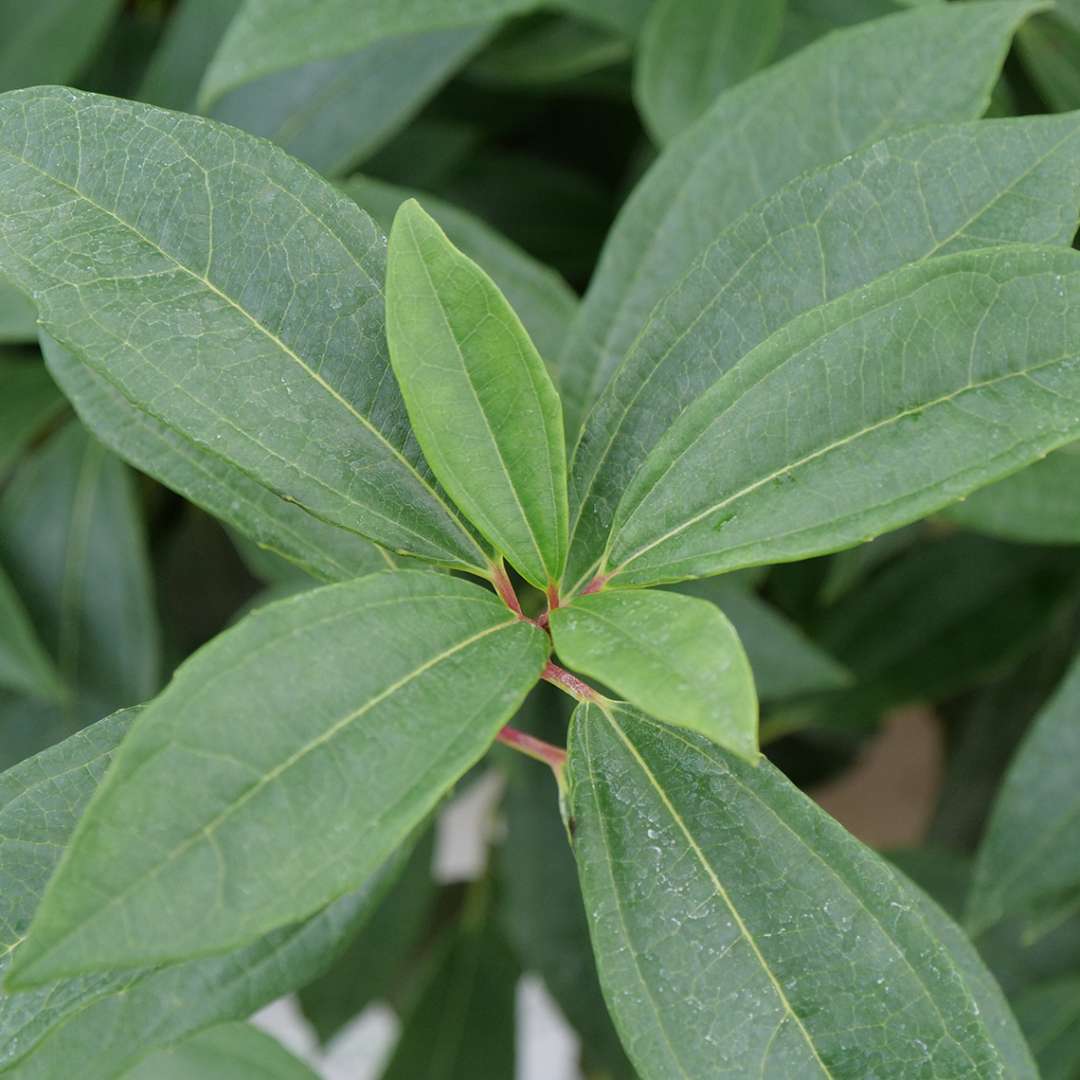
x,y
887,797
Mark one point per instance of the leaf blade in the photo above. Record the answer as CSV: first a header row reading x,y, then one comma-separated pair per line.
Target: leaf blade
x,y
221,891
480,400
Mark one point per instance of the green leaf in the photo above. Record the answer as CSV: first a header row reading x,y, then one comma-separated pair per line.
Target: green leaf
x,y
210,311
462,1027
481,402
358,704
872,411
311,110
738,929
543,300
192,34
50,42
18,316
676,657
99,1025
228,1052
72,539
1038,505
934,191
1028,854
784,660
274,35
764,132
369,968
1050,48
1050,1017
29,400
25,666
627,16
218,486
691,50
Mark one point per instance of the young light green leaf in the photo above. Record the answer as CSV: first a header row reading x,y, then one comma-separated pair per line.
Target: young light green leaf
x,y
18,316
1038,505
870,412
50,43
29,399
1049,1014
227,1052
218,486
542,299
274,35
99,1025
312,111
356,705
72,539
691,50
462,1027
934,191
25,666
480,400
676,657
244,313
764,132
784,660
1028,854
739,930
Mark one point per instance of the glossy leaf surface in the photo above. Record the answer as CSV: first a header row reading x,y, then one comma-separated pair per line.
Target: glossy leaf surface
x,y
480,400
327,724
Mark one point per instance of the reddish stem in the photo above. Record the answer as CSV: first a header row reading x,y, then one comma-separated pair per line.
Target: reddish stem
x,y
534,748
501,580
595,585
562,678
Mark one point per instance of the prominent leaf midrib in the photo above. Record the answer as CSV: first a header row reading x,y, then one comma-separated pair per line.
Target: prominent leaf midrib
x,y
207,831
758,104
718,887
265,330
820,452
483,414
645,382
814,853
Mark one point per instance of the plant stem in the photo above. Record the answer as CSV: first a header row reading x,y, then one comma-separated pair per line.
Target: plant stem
x,y
501,580
595,585
570,684
533,747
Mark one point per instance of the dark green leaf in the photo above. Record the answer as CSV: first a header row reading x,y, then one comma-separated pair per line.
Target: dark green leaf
x,y
934,191
1050,1017
764,132
29,399
285,761
228,1052
1050,47
480,400
676,657
691,50
739,930
18,316
25,666
1028,853
873,411
209,310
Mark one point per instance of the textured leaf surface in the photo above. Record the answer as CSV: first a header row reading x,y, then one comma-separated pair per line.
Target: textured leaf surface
x,y
691,50
274,35
763,133
1039,505
244,311
544,302
740,931
72,541
228,1052
480,400
99,1025
859,417
784,660
1028,854
29,399
50,42
217,485
934,191
676,657
313,112
282,765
